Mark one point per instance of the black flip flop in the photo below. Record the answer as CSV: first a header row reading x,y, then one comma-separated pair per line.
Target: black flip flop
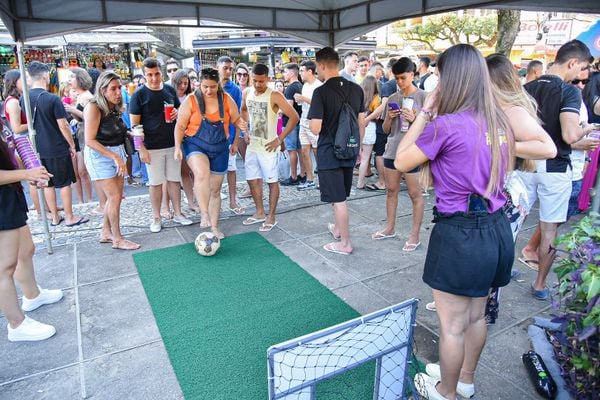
x,y
82,220
58,223
372,187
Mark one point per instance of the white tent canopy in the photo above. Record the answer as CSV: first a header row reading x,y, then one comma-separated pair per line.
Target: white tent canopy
x,y
326,22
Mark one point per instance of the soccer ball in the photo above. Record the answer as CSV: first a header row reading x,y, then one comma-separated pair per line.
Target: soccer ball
x,y
207,244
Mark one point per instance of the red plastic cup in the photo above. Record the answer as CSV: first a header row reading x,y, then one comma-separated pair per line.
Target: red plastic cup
x,y
168,110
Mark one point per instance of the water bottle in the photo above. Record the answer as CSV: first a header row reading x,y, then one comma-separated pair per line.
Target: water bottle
x,y
407,103
539,374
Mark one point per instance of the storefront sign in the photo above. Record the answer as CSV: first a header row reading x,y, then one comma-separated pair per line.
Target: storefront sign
x,y
554,32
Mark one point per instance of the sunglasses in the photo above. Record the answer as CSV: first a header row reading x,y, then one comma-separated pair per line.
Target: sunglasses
x,y
173,70
578,81
209,73
242,74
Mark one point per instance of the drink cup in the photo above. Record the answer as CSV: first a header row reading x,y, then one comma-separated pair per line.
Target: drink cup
x,y
138,136
595,134
28,156
168,110
130,88
408,103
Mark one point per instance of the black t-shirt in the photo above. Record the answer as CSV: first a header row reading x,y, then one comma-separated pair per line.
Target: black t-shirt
x,y
13,212
46,109
554,97
149,104
326,105
290,91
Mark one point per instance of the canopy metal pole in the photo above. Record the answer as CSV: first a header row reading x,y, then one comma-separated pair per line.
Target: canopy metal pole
x,y
31,130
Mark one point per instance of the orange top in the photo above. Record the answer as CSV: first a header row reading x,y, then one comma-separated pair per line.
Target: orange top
x,y
196,117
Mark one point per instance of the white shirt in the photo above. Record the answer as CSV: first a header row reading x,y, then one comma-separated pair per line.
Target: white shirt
x,y
307,91
431,82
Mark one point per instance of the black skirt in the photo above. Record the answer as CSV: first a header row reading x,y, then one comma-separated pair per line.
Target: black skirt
x,y
468,255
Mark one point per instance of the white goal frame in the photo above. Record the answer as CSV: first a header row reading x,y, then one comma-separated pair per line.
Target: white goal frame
x,y
376,337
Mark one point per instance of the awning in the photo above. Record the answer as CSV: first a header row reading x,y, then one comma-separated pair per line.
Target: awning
x,y
274,41
172,51
110,37
325,22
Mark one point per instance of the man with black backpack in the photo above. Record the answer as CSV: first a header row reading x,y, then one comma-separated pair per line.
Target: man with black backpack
x,y
337,116
558,108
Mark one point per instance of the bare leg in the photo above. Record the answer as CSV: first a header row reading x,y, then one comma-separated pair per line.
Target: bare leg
x,y
393,179
200,167
101,196
188,186
273,199
24,274
257,196
77,184
84,176
66,195
545,253
9,304
155,199
381,172
231,184
416,196
174,189
214,206
50,195
364,164
165,210
342,225
461,319
307,162
530,251
293,164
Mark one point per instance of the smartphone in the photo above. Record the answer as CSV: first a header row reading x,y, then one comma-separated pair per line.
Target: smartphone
x,y
394,106
477,205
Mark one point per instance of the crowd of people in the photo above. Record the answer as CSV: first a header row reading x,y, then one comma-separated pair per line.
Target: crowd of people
x,y
488,145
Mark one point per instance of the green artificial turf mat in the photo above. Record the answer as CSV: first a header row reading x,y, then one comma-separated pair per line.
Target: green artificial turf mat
x,y
218,315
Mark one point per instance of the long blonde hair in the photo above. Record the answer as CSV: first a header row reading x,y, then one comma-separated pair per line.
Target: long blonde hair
x,y
510,93
465,85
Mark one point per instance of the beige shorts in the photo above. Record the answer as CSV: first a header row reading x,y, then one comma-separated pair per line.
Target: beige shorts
x,y
163,167
307,137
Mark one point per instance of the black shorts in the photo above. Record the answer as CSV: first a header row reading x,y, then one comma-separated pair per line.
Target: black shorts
x,y
77,146
390,165
62,169
335,184
469,255
380,142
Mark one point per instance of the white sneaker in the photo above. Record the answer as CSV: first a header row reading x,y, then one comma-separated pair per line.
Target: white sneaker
x,y
180,219
30,331
155,226
46,296
425,385
466,390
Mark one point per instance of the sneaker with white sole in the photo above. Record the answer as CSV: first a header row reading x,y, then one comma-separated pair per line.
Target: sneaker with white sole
x,y
425,385
466,390
180,219
30,331
306,185
155,226
46,296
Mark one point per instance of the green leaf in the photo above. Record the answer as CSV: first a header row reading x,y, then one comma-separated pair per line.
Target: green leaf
x,y
594,288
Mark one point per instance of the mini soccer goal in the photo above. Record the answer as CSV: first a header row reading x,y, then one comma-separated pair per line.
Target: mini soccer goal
x,y
296,367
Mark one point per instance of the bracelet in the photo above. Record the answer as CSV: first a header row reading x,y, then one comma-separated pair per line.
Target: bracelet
x,y
427,114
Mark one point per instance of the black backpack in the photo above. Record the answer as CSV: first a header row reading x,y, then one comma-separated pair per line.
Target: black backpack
x,y
346,143
422,81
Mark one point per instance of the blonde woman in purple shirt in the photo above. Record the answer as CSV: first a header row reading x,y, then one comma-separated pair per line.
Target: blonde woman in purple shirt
x,y
463,134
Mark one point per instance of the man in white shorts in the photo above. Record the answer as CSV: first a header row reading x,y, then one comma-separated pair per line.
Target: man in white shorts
x,y
308,140
260,106
147,108
559,106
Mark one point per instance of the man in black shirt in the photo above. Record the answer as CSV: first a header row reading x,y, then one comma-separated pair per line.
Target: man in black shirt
x,y
147,107
292,141
54,142
558,108
335,175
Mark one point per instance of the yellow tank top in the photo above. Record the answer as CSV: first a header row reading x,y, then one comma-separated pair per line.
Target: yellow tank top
x,y
262,121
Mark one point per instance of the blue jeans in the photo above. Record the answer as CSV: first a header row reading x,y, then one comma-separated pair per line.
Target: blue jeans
x,y
574,199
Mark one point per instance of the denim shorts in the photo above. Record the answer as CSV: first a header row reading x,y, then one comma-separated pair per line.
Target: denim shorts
x,y
99,166
218,155
292,140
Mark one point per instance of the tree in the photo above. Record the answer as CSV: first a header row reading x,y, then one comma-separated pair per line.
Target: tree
x,y
509,22
456,29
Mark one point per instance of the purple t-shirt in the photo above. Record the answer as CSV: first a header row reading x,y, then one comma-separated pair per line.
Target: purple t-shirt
x,y
460,161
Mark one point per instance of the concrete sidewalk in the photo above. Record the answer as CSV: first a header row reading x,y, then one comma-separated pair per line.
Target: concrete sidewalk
x,y
108,346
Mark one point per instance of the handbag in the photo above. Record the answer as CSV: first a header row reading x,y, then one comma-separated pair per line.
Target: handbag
x,y
128,145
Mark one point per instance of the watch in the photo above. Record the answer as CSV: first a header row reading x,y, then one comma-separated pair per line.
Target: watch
x,y
427,113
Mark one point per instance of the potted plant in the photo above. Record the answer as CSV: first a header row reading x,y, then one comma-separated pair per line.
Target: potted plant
x,y
577,308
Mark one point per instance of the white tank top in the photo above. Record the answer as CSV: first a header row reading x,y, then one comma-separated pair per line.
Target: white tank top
x,y
263,121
